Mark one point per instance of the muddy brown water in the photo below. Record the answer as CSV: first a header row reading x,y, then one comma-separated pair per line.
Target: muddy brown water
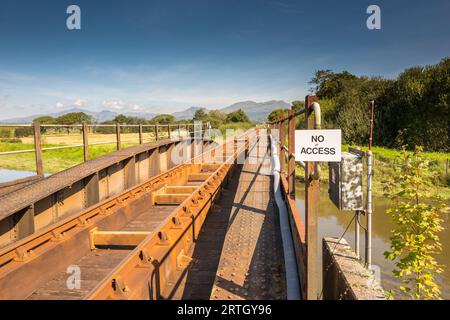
x,y
333,222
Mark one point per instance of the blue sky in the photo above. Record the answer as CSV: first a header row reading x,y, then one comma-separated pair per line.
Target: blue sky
x,y
165,56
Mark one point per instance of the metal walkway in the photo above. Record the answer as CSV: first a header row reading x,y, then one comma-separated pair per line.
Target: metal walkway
x,y
239,251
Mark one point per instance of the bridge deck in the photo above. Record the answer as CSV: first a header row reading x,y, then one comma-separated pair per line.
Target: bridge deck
x,y
239,253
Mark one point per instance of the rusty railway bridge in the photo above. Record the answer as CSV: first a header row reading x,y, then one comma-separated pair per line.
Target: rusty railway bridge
x,y
135,224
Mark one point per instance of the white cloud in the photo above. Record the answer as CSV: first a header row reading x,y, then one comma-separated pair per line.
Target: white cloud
x,y
121,105
79,102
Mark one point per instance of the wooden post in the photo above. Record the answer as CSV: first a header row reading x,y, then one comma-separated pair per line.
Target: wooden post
x,y
282,134
140,134
311,215
291,154
179,130
85,142
168,130
156,132
38,150
118,136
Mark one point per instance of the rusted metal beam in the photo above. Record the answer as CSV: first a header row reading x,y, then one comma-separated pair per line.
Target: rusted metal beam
x,y
25,260
116,238
282,133
169,198
311,215
291,154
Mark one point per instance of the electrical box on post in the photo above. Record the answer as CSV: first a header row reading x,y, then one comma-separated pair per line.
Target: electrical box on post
x,y
346,185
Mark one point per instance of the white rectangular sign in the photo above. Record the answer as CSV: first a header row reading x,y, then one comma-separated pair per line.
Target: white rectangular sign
x,y
318,145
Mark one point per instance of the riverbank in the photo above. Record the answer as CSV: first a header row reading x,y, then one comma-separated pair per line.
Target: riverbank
x,y
385,161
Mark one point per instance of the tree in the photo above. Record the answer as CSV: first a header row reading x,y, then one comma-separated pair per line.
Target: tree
x,y
200,114
277,114
237,116
328,84
120,119
216,118
415,239
45,120
74,118
163,119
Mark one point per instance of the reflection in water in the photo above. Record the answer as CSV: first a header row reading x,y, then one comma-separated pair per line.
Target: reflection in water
x,y
333,222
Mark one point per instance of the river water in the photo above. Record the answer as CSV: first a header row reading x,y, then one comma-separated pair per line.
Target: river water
x,y
333,222
9,175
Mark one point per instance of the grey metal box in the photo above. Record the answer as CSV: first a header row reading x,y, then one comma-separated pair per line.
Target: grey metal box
x,y
346,186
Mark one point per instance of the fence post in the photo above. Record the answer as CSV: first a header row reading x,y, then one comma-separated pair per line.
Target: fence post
x,y
140,134
311,215
85,142
156,132
291,154
168,130
118,136
37,150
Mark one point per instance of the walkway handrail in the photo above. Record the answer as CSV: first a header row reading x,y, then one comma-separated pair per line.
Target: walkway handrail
x,y
38,149
305,239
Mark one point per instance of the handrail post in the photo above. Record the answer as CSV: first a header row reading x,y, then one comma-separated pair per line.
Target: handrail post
x,y
156,132
118,136
311,214
235,142
85,142
38,150
291,154
140,134
168,131
282,134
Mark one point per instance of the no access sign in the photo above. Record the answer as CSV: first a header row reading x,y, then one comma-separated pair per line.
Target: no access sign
x,y
318,145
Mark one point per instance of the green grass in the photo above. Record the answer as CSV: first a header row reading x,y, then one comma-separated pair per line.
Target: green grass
x,y
54,160
385,160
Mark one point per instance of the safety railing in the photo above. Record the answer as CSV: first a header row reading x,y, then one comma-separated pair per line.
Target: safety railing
x,y
304,234
123,135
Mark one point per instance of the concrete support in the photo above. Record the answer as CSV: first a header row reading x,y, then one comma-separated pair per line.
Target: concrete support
x,y
344,277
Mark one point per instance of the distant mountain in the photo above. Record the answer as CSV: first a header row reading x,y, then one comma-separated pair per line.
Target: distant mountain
x,y
100,116
257,111
186,114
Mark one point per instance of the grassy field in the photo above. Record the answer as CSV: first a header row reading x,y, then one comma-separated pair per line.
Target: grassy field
x,y
57,160
385,160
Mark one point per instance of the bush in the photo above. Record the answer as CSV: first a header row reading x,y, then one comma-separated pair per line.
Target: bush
x,y
5,133
11,140
23,132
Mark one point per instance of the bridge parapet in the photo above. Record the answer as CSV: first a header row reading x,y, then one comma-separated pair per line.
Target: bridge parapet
x,y
46,201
